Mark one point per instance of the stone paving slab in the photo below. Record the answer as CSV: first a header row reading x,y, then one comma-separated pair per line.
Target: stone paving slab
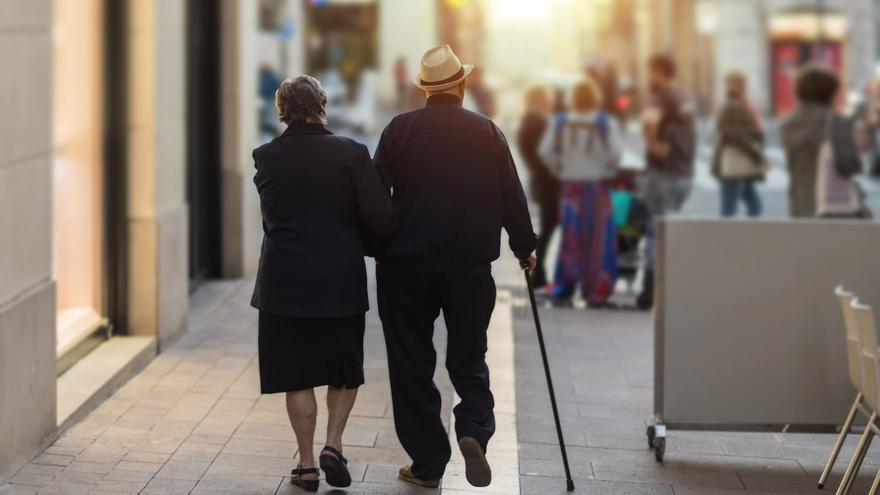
x,y
193,421
602,365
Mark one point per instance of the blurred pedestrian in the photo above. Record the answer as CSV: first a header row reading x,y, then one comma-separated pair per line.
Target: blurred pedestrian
x,y
670,137
317,192
585,150
268,82
871,121
604,74
821,151
543,183
481,93
401,80
738,161
456,186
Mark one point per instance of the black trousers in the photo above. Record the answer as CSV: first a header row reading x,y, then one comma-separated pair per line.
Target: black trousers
x,y
410,301
548,204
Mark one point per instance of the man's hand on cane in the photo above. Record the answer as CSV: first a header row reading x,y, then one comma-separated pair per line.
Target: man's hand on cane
x,y
529,264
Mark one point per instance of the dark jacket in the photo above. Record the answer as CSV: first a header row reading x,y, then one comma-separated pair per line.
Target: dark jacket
x,y
737,127
677,128
455,186
543,183
317,193
803,132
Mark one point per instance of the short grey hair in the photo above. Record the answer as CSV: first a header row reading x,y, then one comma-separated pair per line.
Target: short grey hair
x,y
300,100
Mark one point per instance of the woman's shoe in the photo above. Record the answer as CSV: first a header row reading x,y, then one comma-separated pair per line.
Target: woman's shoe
x,y
307,485
335,467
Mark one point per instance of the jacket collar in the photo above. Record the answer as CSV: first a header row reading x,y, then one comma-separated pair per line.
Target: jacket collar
x,y
443,99
297,129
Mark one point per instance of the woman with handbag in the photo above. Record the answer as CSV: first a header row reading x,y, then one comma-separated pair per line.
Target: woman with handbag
x,y
821,151
738,161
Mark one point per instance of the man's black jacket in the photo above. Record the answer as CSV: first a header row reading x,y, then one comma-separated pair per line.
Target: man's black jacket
x,y
454,186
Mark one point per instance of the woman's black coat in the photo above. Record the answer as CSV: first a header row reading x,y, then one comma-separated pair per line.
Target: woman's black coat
x,y
318,194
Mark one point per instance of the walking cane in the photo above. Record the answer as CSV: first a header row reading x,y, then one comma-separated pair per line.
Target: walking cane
x,y
569,482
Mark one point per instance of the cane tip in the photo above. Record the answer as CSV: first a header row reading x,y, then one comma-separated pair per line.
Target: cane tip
x,y
570,485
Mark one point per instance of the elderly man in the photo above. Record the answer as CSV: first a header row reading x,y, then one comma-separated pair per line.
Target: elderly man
x,y
455,186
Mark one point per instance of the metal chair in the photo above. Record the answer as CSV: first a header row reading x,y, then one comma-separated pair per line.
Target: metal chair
x,y
863,317
863,320
852,359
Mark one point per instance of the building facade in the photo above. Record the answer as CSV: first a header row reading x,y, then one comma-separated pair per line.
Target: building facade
x,y
769,40
125,178
126,175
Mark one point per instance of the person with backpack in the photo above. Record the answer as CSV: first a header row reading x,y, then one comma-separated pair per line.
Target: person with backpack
x,y
584,148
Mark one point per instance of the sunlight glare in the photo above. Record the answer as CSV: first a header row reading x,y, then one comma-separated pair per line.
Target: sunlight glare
x,y
504,12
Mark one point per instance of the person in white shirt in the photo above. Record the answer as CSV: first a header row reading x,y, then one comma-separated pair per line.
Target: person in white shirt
x,y
584,148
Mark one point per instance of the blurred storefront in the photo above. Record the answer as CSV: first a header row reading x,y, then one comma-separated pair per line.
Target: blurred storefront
x,y
798,38
769,40
124,180
359,49
79,202
341,39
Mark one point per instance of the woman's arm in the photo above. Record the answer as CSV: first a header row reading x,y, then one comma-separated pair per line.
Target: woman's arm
x,y
375,207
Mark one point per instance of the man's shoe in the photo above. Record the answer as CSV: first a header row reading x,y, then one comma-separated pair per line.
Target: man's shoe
x,y
406,474
477,469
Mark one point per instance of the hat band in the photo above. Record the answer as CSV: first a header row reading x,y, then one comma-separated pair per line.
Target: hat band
x,y
458,75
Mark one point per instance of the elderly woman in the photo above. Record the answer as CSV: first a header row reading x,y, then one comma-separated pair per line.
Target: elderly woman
x,y
813,123
584,148
319,195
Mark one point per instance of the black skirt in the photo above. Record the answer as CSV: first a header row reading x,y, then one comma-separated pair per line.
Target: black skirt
x,y
303,353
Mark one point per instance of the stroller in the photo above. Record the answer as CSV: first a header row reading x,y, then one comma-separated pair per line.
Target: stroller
x,y
631,219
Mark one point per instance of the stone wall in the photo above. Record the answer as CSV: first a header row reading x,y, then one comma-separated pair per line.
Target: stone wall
x,y
157,214
27,292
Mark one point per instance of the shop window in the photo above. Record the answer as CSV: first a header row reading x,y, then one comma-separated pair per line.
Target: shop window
x,y
77,130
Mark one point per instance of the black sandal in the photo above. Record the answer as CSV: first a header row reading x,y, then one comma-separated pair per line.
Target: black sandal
x,y
335,468
307,485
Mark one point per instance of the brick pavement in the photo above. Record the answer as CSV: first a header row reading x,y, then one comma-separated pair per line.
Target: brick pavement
x,y
194,422
602,368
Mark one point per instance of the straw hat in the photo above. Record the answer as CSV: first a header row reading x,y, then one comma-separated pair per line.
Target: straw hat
x,y
441,69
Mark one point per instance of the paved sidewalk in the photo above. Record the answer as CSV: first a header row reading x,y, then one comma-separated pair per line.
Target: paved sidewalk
x,y
193,421
602,369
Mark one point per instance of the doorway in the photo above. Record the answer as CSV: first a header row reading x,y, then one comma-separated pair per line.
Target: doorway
x,y
203,140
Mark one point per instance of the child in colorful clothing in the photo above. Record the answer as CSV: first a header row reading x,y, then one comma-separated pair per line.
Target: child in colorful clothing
x,y
584,149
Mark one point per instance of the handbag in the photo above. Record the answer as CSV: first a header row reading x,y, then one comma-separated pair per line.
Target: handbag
x,y
835,195
736,164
